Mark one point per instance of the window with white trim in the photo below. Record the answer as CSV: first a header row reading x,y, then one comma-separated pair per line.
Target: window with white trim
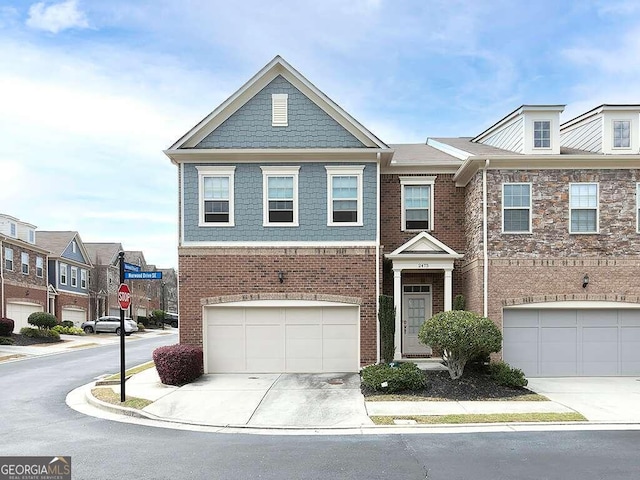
x,y
8,258
583,200
417,202
344,195
280,195
83,279
542,134
63,274
24,261
621,134
74,276
32,236
39,267
13,230
516,208
216,196
279,109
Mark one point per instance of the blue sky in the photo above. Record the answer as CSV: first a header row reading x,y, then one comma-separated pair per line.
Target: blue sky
x,y
92,91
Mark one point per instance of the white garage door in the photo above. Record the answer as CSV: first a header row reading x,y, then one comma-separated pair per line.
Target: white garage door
x,y
282,339
559,342
19,313
75,315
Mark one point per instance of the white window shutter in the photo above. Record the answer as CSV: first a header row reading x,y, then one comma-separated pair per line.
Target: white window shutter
x,y
279,117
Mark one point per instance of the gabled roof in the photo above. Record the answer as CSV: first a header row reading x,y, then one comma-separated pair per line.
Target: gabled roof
x,y
103,253
424,245
517,112
420,154
277,66
58,241
598,110
135,257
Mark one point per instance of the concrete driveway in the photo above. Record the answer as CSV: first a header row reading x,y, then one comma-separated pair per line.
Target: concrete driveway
x,y
265,400
599,399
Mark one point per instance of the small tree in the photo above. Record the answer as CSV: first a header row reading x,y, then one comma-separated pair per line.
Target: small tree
x,y
458,302
460,336
158,316
42,320
387,318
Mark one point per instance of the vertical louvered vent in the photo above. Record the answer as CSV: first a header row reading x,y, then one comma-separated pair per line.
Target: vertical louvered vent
x,y
279,117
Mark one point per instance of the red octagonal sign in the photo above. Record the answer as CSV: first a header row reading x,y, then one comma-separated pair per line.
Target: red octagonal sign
x,y
124,296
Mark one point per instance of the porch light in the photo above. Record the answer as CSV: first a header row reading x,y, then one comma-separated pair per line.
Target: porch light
x,y
585,281
281,276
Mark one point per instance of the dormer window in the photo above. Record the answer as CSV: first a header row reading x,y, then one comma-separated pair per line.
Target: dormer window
x,y
621,134
32,236
13,230
542,134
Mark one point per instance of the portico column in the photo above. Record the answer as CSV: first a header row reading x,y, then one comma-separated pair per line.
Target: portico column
x,y
448,289
397,303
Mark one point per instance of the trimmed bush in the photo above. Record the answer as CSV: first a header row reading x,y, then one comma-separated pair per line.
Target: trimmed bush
x,y
40,333
68,330
6,327
67,323
6,341
389,379
505,374
460,336
142,320
158,316
178,364
458,302
387,318
42,320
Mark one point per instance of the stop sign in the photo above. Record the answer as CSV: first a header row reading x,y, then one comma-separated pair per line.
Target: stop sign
x,y
124,296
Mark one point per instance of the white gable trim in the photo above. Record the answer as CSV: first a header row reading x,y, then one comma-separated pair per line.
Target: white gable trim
x,y
440,250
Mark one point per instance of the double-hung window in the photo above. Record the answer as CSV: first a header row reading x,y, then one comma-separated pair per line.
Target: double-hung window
x,y
63,274
417,202
24,260
216,196
83,279
8,258
74,276
39,267
583,199
516,208
542,134
621,134
344,195
280,199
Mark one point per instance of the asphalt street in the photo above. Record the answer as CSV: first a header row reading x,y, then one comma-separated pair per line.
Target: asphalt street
x,y
34,420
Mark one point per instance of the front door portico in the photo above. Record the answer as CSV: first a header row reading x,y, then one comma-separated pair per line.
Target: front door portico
x,y
423,253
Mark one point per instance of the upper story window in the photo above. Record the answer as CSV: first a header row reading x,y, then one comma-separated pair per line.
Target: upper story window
x,y
279,109
542,134
417,203
63,274
32,236
216,195
621,134
39,267
13,230
8,258
516,208
74,276
583,199
83,279
280,202
344,195
24,260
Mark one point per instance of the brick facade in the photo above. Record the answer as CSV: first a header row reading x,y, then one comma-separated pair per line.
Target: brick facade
x,y
20,287
216,272
69,300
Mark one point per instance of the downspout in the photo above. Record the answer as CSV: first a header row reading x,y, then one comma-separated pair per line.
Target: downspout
x,y
378,257
2,281
45,274
485,236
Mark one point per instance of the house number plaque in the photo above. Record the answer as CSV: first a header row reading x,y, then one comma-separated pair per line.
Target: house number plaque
x,y
423,265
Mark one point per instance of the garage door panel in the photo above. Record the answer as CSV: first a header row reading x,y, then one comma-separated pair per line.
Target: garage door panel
x,y
74,315
558,335
629,318
521,346
303,316
264,316
558,318
19,313
521,318
225,316
225,348
338,316
264,341
596,318
602,368
630,335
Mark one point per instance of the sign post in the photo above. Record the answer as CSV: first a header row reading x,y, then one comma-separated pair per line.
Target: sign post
x,y
124,299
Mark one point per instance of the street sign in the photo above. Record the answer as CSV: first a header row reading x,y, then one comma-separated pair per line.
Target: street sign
x,y
130,267
124,296
143,275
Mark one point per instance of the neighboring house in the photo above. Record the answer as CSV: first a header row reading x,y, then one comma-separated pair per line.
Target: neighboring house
x,y
23,280
169,293
145,294
68,270
294,218
104,279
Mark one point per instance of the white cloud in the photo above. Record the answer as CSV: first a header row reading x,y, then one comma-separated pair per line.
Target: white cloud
x,y
56,17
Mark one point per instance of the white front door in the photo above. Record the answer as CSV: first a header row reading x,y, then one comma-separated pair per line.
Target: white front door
x,y
416,301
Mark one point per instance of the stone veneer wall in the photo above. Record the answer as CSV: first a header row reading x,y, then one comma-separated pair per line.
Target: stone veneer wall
x,y
214,272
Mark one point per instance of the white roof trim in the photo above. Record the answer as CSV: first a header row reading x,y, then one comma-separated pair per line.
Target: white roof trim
x,y
277,66
449,150
424,236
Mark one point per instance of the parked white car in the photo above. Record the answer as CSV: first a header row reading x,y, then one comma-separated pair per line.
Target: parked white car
x,y
109,324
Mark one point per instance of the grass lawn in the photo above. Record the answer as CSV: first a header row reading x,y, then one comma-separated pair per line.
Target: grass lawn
x,y
482,418
132,371
398,397
108,395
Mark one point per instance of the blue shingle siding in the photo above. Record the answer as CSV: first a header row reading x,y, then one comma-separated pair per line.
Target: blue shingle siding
x,y
68,287
77,256
312,201
309,126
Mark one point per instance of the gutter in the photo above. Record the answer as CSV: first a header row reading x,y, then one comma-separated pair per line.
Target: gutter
x,y
485,237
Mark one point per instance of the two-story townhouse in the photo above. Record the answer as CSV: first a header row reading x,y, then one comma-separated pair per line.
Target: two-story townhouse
x,y
169,292
145,294
68,272
279,263
553,238
23,280
104,279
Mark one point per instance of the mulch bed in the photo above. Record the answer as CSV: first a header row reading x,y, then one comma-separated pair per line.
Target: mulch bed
x,y
22,341
473,385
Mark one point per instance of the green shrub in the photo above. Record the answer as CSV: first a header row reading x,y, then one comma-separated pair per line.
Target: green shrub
x,y
387,318
39,333
178,364
158,316
505,374
68,330
141,327
142,320
6,327
389,379
42,320
458,302
6,341
460,336
67,323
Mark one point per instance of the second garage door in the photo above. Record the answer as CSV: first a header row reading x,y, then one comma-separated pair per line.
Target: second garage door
x,y
573,342
75,315
289,339
19,313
